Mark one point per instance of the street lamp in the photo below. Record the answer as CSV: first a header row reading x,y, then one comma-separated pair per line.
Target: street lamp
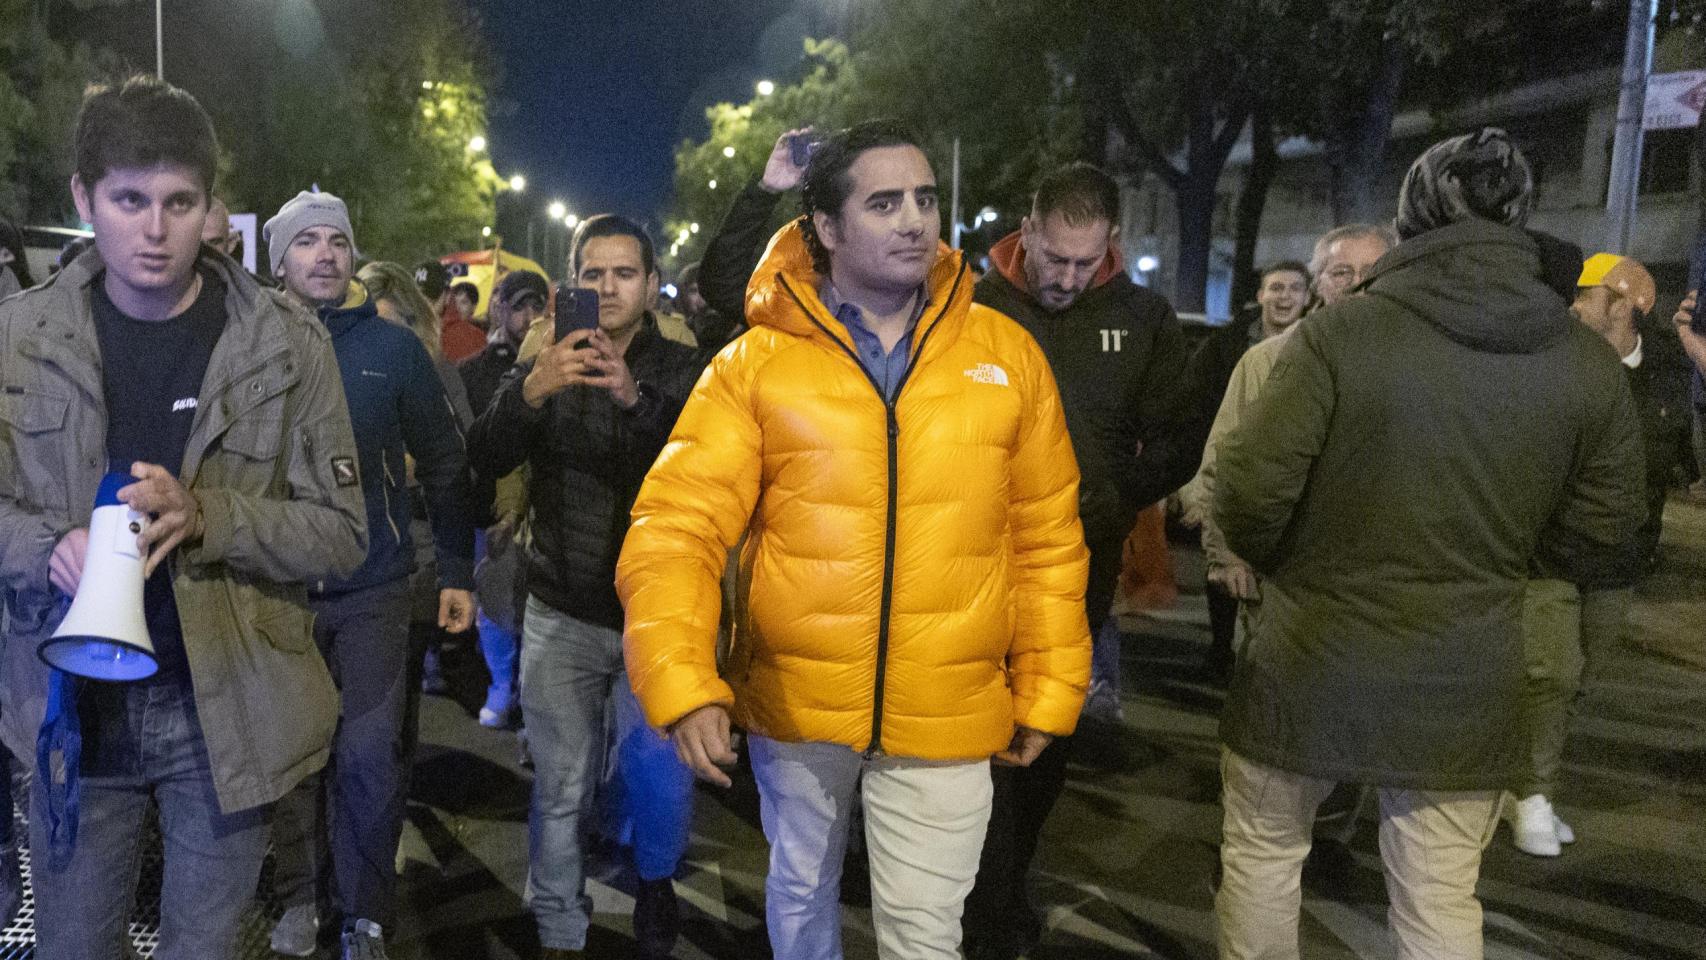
x,y
694,227
571,221
485,231
477,144
518,183
766,88
729,152
712,184
557,211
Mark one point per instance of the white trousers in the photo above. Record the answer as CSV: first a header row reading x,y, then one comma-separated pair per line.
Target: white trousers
x,y
1430,849
924,828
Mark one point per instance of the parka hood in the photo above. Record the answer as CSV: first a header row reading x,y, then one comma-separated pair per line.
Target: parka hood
x,y
1482,284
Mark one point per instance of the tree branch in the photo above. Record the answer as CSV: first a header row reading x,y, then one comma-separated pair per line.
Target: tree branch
x,y
1105,84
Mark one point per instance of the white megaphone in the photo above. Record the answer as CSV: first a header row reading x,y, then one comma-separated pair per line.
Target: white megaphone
x,y
104,635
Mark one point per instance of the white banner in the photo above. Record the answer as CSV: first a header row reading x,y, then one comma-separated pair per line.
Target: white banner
x,y
1674,100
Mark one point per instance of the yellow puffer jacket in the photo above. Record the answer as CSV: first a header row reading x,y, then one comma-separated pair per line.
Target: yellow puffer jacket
x,y
914,578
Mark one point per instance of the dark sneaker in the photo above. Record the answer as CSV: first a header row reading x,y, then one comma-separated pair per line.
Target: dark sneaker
x,y
657,919
364,941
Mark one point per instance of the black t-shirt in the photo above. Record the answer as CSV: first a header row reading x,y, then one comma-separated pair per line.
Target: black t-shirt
x,y
152,371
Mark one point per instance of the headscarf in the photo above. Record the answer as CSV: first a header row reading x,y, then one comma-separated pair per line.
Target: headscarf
x,y
1477,175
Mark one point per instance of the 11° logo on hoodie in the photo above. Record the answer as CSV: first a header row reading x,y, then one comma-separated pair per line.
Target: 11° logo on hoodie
x,y
1112,340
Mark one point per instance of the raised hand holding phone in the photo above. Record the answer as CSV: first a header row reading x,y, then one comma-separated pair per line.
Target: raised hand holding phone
x,y
786,166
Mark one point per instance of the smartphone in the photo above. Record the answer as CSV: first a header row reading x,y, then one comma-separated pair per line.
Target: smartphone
x,y
577,309
801,148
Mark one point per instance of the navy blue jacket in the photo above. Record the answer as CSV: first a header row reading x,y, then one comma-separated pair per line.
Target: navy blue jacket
x,y
397,405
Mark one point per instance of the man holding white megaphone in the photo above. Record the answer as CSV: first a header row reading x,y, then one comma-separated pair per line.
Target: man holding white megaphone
x,y
233,481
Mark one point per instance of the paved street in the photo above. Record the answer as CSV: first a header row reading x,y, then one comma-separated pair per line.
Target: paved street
x,y
1125,868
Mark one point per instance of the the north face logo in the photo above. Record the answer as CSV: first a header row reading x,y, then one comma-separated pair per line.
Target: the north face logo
x,y
987,373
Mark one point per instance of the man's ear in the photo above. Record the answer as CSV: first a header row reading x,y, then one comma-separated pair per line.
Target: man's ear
x,y
652,291
80,196
828,230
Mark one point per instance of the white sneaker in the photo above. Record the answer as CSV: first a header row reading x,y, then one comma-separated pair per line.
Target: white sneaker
x,y
1566,836
298,932
1534,826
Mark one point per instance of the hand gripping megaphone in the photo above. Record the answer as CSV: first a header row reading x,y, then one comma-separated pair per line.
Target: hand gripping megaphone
x,y
104,635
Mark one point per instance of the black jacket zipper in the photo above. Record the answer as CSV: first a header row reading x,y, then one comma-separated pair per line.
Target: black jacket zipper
x,y
889,538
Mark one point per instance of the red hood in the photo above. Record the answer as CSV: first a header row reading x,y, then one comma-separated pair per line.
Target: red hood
x,y
1008,256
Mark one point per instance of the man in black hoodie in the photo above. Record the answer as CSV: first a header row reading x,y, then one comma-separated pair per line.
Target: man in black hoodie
x,y
1116,351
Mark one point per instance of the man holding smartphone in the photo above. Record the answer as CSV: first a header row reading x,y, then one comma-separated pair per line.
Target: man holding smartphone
x,y
588,415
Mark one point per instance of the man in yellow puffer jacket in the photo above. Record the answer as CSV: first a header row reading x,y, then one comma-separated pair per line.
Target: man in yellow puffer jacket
x,y
913,575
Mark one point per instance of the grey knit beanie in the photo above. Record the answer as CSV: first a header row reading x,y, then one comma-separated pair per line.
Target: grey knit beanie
x,y
306,209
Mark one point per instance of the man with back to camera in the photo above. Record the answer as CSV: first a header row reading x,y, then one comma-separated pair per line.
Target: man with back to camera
x,y
1117,354
913,572
588,416
1414,448
222,399
397,405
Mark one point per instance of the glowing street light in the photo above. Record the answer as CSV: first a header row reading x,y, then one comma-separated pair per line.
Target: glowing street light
x,y
1147,263
485,231
518,183
712,184
766,88
477,144
729,152
694,227
557,210
571,221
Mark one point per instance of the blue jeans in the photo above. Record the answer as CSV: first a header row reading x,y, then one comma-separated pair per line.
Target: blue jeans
x,y
142,741
570,670
500,648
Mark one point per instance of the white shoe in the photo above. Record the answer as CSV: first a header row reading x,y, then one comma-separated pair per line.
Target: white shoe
x,y
1534,826
298,932
1566,836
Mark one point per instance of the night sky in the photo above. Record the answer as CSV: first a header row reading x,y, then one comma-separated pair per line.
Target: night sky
x,y
596,94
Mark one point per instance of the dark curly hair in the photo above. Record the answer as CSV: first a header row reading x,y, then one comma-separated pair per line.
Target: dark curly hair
x,y
827,185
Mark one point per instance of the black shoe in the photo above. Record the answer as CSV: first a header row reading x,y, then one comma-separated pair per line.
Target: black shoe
x,y
1330,868
657,919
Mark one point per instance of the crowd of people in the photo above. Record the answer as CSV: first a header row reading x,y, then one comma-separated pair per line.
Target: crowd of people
x,y
855,510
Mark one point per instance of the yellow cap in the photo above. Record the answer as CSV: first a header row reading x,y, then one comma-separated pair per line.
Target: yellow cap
x,y
1622,275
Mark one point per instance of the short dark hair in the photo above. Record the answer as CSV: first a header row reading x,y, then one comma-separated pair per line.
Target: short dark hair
x,y
827,186
612,225
1081,193
1285,266
139,123
467,287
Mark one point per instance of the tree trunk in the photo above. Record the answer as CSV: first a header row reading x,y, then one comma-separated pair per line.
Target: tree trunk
x,y
1360,153
1207,145
1194,202
1264,165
